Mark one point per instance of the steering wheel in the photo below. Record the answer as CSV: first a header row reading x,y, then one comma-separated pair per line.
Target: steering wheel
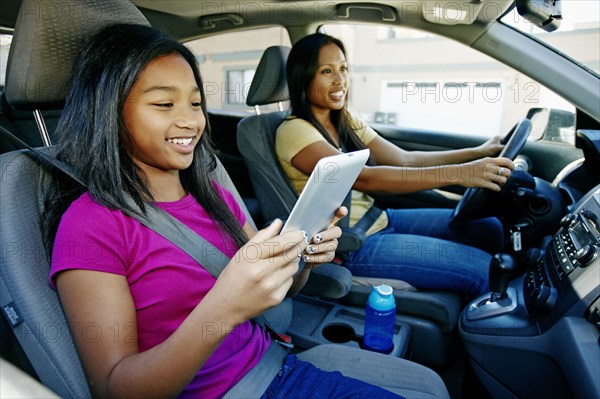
x,y
474,198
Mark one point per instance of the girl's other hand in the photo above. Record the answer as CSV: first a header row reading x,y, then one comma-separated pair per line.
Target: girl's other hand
x,y
260,274
324,244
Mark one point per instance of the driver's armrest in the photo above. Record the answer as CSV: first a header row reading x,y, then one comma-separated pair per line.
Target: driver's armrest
x,y
331,280
328,281
351,239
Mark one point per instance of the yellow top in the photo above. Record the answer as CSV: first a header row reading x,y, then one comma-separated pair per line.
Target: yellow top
x,y
294,134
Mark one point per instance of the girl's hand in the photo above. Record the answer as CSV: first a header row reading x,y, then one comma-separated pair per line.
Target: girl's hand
x,y
259,276
324,244
490,173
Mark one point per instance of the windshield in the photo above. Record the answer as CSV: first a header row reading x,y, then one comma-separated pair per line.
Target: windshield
x,y
578,35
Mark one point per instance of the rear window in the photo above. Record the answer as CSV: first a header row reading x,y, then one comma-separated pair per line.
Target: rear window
x,y
228,62
5,41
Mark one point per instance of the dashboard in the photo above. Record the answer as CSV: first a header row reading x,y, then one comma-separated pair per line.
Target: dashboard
x,y
568,274
543,340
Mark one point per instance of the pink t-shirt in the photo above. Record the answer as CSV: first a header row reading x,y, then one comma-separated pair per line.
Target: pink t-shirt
x,y
165,282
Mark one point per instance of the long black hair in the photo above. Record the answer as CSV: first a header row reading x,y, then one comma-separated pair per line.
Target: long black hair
x,y
93,138
301,68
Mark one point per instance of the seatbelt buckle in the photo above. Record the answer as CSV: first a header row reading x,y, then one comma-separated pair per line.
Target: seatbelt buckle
x,y
283,340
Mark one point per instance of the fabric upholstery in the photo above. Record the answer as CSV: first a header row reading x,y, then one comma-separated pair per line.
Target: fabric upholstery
x,y
43,331
270,87
401,376
37,75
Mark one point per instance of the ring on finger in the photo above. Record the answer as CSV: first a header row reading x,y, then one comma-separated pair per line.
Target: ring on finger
x,y
501,171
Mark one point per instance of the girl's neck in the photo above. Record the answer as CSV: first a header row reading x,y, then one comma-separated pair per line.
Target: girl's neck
x,y
165,187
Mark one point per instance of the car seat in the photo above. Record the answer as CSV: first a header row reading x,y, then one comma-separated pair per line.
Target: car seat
x,y
30,305
433,315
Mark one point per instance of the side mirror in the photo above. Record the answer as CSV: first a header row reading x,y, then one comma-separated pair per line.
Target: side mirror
x,y
545,14
552,124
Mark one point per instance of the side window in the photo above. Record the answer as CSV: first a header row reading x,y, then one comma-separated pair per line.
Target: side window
x,y
228,62
414,79
5,41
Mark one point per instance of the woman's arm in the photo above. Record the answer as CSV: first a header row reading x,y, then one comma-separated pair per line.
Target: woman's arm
x,y
400,178
257,278
388,154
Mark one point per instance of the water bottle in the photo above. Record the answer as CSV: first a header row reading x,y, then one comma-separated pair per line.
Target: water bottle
x,y
380,317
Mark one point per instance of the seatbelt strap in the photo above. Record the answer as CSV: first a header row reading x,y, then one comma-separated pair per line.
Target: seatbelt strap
x,y
257,380
367,220
63,167
203,252
345,222
206,254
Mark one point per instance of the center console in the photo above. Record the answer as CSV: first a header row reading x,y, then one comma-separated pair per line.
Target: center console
x,y
541,338
319,322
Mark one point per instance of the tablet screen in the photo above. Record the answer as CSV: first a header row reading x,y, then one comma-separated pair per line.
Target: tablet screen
x,y
329,183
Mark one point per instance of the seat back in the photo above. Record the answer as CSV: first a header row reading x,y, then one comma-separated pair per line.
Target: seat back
x,y
256,136
30,305
256,142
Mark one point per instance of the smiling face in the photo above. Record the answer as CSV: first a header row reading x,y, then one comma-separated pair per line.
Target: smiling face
x,y
163,116
329,87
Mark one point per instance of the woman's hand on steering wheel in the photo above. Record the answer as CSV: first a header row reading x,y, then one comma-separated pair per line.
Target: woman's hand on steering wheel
x,y
490,148
474,198
490,173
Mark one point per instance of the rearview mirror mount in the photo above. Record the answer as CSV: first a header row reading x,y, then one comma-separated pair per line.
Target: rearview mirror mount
x,y
545,14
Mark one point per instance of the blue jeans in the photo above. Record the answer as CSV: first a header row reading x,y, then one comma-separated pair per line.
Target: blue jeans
x,y
420,248
300,380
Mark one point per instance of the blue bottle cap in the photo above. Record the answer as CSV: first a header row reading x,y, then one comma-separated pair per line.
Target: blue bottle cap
x,y
381,298
384,289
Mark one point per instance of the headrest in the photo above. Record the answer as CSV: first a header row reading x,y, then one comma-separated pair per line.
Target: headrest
x,y
269,84
48,36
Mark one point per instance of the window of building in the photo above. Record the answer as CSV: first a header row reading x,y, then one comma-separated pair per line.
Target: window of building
x,y
237,85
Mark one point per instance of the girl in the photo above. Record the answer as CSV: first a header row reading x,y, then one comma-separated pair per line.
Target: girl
x,y
415,245
147,320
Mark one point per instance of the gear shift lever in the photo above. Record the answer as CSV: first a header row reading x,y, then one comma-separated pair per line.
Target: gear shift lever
x,y
501,268
503,299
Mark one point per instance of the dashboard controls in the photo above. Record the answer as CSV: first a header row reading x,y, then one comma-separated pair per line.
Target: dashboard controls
x,y
586,254
543,298
575,246
566,220
577,242
537,288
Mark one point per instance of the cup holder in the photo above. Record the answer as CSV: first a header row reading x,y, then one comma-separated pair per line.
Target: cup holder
x,y
339,333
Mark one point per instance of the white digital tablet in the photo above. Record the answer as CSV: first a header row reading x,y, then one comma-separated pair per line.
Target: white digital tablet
x,y
329,183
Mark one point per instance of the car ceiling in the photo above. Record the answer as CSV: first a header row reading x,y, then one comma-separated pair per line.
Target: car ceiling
x,y
186,19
